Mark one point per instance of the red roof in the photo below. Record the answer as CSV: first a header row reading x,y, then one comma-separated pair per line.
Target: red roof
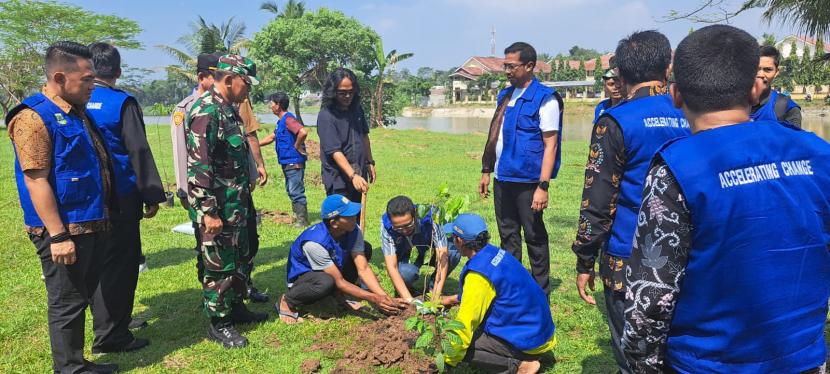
x,y
811,41
494,64
590,65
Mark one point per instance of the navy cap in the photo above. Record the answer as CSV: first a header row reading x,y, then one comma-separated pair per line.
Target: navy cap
x,y
338,205
467,226
206,62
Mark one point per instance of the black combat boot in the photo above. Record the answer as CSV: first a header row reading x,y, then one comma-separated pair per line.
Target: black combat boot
x,y
241,314
300,215
222,331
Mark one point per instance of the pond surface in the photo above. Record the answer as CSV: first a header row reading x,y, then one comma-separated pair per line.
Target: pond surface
x,y
576,126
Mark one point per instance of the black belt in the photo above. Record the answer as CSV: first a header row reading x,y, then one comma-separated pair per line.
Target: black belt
x,y
293,166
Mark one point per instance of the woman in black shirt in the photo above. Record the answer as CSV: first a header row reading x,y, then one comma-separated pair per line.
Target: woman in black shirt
x,y
346,154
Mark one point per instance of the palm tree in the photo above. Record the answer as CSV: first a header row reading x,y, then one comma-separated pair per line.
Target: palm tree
x,y
811,17
293,8
227,37
390,59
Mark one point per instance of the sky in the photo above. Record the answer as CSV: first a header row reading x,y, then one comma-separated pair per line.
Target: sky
x,y
441,33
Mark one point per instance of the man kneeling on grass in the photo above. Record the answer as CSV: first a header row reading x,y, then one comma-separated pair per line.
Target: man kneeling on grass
x,y
319,264
402,231
506,317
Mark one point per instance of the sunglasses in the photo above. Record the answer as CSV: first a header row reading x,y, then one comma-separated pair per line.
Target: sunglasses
x,y
404,228
345,93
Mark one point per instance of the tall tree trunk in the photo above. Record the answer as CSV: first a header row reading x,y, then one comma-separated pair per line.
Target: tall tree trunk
x,y
377,111
296,100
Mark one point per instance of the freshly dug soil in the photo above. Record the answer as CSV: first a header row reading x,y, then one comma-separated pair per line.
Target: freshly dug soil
x,y
310,366
313,149
278,216
382,343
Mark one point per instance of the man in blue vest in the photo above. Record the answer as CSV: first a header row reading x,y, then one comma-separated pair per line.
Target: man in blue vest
x,y
613,90
327,259
402,229
64,184
773,105
506,317
730,262
523,154
622,144
137,184
290,136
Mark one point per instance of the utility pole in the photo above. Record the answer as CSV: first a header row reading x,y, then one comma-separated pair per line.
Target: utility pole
x,y
493,41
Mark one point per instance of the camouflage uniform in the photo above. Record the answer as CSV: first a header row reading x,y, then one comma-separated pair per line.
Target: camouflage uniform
x,y
218,178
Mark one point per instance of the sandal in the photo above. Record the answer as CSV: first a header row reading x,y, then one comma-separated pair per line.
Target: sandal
x,y
293,317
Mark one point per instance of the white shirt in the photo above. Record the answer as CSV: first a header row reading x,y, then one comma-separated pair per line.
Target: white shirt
x,y
548,121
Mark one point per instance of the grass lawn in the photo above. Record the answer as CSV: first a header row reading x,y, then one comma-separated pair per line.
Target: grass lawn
x,y
409,162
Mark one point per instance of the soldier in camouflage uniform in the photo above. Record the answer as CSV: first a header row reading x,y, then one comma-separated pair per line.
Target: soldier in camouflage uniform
x,y
219,196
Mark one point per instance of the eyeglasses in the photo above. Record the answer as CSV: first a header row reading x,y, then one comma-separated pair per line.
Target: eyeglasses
x,y
510,67
405,228
345,93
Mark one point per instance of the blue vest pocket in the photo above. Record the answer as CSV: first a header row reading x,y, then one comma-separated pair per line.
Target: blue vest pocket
x,y
74,188
67,141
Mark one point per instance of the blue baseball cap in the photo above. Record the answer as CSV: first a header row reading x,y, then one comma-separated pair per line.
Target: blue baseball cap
x,y
467,226
338,205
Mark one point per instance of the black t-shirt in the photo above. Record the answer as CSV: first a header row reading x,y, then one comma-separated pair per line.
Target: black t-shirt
x,y
342,131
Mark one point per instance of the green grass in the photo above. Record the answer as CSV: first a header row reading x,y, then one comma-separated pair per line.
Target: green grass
x,y
408,162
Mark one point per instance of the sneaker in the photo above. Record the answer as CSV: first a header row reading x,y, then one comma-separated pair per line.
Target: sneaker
x,y
241,314
142,267
256,296
226,334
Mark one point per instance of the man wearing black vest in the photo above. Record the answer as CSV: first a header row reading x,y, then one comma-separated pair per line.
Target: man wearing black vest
x,y
523,154
64,183
730,263
623,141
137,184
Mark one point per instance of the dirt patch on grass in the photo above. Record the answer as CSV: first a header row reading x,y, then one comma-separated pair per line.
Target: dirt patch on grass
x,y
176,362
313,178
310,366
313,149
383,343
277,216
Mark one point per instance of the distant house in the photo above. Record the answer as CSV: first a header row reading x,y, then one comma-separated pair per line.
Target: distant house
x,y
465,87
802,43
590,65
464,78
437,96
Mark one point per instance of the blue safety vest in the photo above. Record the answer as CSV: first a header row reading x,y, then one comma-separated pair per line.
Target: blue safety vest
x,y
421,237
298,262
754,297
767,112
646,124
601,108
75,174
522,145
284,144
105,106
520,314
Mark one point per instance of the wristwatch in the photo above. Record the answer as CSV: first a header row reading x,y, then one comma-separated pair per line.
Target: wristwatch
x,y
544,185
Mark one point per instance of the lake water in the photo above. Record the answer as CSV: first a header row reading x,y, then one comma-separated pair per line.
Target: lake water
x,y
576,127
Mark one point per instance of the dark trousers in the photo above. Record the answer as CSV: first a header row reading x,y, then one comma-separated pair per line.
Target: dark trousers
x,y
69,289
314,286
491,354
513,215
349,192
112,303
253,244
615,305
